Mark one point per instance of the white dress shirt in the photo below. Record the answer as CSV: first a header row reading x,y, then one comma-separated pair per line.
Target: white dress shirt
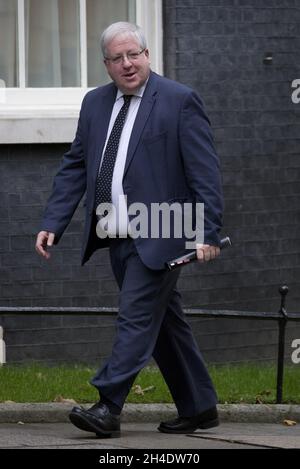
x,y
117,221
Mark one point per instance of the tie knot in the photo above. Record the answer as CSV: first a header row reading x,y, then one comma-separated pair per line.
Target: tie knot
x,y
127,98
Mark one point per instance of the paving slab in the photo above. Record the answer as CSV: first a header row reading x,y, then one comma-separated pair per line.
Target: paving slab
x,y
145,436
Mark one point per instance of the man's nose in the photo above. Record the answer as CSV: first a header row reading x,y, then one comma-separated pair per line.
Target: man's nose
x,y
126,62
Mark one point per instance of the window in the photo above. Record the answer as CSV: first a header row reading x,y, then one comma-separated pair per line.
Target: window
x,y
52,57
55,43
8,36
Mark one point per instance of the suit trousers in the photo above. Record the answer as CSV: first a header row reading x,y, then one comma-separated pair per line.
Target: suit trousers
x,y
151,323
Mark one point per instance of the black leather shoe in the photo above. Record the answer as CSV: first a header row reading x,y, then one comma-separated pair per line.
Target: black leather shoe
x,y
97,419
207,419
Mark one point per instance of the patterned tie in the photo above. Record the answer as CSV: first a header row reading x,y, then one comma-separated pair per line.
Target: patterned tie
x,y
105,175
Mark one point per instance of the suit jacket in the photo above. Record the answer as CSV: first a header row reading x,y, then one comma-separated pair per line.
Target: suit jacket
x,y
171,158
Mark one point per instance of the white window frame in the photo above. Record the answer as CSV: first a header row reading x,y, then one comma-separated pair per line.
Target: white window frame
x,y
49,115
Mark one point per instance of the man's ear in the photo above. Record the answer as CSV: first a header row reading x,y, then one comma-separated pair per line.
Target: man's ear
x,y
106,63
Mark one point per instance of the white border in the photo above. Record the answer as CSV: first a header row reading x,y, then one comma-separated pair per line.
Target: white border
x,y
21,43
149,17
83,43
49,115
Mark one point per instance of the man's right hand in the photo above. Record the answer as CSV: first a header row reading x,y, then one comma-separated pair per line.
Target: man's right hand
x,y
44,239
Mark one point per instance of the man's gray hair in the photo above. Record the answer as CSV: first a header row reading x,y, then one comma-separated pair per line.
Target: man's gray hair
x,y
122,28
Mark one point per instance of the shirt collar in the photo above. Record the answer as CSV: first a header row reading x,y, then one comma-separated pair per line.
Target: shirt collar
x,y
139,93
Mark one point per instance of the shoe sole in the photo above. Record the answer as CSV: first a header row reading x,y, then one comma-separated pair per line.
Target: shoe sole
x,y
81,422
210,424
202,426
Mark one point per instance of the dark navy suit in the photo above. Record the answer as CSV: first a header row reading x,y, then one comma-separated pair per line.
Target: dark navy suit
x,y
171,158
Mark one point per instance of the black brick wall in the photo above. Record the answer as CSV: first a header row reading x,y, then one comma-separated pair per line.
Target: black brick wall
x,y
217,47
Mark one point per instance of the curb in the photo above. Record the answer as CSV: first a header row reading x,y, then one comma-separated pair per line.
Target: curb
x,y
239,413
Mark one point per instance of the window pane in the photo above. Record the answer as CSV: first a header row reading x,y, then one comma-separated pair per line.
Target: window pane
x,y
52,43
100,14
8,42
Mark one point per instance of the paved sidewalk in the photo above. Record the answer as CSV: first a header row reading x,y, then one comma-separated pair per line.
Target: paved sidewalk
x,y
242,426
145,436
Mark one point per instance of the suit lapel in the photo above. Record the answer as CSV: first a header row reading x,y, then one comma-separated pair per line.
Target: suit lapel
x,y
144,111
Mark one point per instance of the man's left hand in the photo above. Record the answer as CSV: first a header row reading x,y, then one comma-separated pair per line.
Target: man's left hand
x,y
206,252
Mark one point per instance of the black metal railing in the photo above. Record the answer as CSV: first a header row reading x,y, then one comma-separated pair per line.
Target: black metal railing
x,y
282,317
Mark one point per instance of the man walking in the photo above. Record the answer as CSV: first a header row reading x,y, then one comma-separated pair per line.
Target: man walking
x,y
141,139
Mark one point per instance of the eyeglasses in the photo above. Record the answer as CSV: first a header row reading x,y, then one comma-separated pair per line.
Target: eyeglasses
x,y
131,56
